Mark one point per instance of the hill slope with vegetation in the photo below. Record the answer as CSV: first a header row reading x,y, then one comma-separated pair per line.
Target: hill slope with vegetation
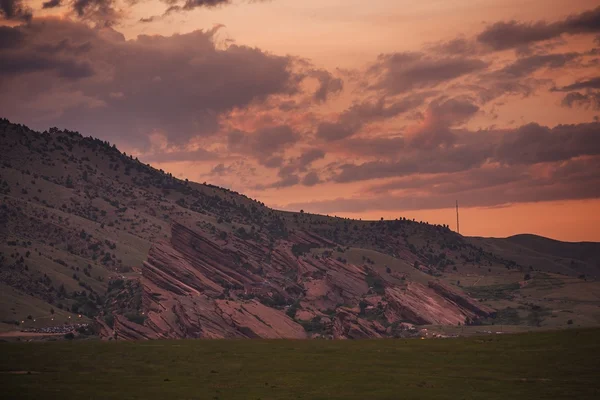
x,y
92,234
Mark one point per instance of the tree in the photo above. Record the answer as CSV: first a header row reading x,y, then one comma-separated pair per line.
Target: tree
x,y
69,182
363,306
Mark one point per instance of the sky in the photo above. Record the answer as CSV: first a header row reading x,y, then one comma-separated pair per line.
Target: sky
x,y
361,109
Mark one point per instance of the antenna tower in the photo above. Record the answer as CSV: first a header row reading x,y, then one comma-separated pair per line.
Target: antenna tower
x,y
457,225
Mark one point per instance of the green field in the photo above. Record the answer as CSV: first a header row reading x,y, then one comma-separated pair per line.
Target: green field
x,y
546,365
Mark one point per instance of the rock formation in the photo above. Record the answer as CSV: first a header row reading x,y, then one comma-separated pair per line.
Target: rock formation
x,y
200,285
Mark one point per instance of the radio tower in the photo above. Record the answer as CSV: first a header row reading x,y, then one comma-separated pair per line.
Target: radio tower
x,y
457,225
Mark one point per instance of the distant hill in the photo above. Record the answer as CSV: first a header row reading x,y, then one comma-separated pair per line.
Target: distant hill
x,y
546,254
92,235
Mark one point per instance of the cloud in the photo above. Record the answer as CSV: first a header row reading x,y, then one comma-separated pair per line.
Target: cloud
x,y
527,65
263,144
22,63
487,186
518,77
527,145
533,143
51,4
307,158
441,115
513,34
401,72
15,10
177,85
361,113
588,100
593,83
328,85
189,5
102,12
311,179
179,156
459,46
221,170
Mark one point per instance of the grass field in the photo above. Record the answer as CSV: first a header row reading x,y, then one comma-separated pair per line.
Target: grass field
x,y
546,365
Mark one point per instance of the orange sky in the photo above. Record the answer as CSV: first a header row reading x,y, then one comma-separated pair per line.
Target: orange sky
x,y
341,40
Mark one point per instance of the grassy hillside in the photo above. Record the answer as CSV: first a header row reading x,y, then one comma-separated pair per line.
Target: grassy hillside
x,y
76,214
548,365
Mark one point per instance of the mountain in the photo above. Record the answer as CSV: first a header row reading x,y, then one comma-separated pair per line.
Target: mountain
x,y
89,234
551,255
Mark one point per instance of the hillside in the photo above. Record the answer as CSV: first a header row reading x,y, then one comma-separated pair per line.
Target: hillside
x,y
548,254
91,234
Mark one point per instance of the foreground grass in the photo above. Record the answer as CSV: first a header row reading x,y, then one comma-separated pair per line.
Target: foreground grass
x,y
547,365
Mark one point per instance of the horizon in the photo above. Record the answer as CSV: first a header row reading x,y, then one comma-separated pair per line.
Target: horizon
x,y
359,111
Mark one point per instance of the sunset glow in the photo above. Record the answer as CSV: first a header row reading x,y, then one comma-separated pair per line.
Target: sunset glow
x,y
359,109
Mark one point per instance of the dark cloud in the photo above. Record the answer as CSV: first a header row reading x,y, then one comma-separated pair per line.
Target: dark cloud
x,y
22,63
102,12
481,187
359,114
328,85
51,4
189,5
518,77
179,156
460,46
513,34
10,38
311,179
591,99
263,144
290,170
441,115
331,131
176,85
15,10
593,83
527,145
307,158
287,181
401,72
533,143
380,147
221,170
528,65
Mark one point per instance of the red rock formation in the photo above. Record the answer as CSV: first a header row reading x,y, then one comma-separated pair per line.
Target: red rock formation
x,y
198,286
423,306
461,299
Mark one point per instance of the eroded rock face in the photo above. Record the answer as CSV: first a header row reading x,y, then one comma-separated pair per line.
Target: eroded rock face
x,y
423,306
461,299
198,285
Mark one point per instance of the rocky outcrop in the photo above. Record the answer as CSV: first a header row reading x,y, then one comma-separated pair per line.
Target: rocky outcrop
x,y
461,299
128,330
348,325
203,285
421,305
